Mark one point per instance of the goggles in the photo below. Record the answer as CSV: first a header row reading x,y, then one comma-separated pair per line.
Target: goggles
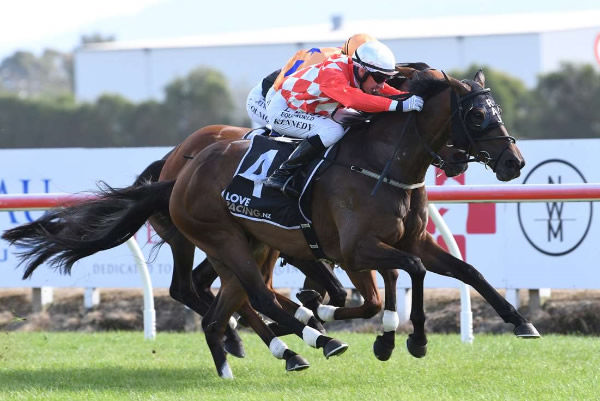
x,y
379,77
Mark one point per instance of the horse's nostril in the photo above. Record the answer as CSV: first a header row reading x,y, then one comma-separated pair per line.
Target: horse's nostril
x,y
514,163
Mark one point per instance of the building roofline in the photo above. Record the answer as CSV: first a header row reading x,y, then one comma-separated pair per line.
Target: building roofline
x,y
383,29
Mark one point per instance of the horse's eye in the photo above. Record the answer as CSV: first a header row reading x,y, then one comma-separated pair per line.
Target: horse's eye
x,y
476,117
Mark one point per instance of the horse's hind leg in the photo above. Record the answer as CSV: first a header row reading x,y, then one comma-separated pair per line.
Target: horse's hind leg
x,y
439,261
241,263
232,297
203,276
183,285
214,329
278,348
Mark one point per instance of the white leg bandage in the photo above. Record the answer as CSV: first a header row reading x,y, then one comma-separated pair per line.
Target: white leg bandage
x,y
303,314
310,335
225,371
390,320
326,312
277,347
232,322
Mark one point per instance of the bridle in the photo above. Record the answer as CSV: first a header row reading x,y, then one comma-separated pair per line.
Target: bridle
x,y
471,116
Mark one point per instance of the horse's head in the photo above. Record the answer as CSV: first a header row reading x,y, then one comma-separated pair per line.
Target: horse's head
x,y
477,128
474,121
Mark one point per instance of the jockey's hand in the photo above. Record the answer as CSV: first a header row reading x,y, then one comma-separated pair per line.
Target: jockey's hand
x,y
413,103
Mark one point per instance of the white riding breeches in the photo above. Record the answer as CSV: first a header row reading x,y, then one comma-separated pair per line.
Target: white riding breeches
x,y
256,106
299,124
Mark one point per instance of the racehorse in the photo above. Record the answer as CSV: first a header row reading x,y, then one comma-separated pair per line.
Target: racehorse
x,y
384,249
358,230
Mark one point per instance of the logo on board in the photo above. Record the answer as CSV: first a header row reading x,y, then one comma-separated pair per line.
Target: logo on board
x,y
555,228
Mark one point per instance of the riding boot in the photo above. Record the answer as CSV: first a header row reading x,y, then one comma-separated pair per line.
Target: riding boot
x,y
306,151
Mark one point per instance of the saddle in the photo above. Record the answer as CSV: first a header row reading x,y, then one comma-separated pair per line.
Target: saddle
x,y
247,197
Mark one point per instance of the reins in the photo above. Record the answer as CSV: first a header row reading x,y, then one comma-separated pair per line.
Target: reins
x,y
387,166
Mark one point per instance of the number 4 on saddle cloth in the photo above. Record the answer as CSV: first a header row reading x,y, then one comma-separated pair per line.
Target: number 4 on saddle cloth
x,y
248,198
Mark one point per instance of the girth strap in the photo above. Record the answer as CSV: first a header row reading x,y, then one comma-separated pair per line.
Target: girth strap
x,y
313,242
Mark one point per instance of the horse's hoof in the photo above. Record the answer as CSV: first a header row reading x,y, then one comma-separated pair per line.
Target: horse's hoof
x,y
382,349
310,298
416,350
334,347
296,363
225,371
234,347
526,330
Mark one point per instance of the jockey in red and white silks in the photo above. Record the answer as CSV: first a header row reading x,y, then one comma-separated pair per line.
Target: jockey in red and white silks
x,y
303,106
308,99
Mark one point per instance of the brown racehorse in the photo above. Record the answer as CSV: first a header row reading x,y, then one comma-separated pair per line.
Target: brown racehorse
x,y
452,162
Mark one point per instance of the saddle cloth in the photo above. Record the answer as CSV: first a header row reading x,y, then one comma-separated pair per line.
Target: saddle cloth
x,y
247,197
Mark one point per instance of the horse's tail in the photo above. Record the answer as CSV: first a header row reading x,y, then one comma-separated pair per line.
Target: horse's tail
x,y
65,235
150,173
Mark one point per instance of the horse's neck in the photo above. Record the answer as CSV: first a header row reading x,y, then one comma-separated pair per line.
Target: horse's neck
x,y
374,147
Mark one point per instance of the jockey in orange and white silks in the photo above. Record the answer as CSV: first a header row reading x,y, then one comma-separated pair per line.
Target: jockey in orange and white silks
x,y
308,98
256,100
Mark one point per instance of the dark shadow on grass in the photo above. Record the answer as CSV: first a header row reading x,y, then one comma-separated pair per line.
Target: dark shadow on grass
x,y
109,378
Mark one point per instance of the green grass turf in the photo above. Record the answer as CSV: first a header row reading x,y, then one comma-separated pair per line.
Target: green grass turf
x,y
176,366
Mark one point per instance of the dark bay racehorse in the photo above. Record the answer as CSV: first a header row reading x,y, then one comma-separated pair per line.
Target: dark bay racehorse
x,y
387,230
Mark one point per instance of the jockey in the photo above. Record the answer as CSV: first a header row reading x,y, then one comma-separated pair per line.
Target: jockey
x,y
256,103
308,99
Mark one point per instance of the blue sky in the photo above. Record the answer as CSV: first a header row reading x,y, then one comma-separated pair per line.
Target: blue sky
x,y
33,25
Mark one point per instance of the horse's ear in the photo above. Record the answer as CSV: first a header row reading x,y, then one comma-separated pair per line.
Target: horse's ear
x,y
480,78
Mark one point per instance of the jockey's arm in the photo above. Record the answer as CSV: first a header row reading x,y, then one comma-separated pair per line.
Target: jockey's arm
x,y
334,85
388,90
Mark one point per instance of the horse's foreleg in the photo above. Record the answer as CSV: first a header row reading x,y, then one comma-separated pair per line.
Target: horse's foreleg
x,y
376,253
366,284
301,313
385,343
439,261
322,275
278,348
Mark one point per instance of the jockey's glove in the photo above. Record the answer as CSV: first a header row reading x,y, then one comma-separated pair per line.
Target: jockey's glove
x,y
413,103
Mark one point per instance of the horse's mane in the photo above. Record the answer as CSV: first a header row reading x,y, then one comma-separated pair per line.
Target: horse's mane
x,y
426,86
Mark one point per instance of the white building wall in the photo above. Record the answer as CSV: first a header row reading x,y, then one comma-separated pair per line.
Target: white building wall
x,y
141,74
522,46
576,46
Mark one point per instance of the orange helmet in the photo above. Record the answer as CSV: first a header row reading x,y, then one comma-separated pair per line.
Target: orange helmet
x,y
354,41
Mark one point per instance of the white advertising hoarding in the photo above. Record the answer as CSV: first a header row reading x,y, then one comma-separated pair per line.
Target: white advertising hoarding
x,y
530,245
